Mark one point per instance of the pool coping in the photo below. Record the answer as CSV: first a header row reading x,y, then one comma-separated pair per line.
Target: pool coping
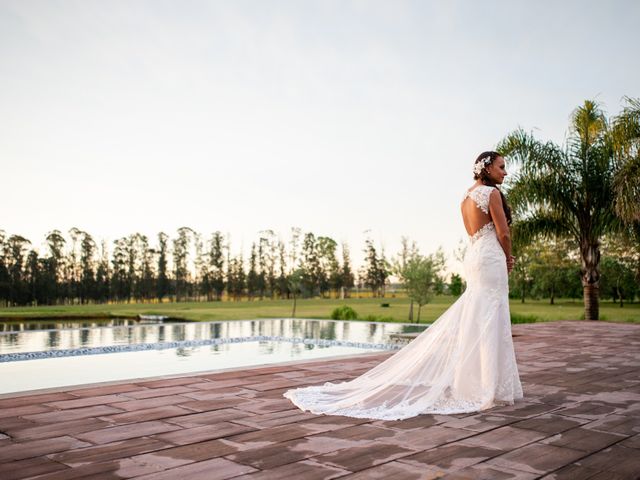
x,y
68,388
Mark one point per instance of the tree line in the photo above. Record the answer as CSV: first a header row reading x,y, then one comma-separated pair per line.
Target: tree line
x,y
77,269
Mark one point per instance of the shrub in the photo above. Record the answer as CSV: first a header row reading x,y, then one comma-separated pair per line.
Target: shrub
x,y
377,318
344,312
518,318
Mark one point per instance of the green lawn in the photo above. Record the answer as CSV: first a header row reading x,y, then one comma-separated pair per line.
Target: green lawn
x,y
319,308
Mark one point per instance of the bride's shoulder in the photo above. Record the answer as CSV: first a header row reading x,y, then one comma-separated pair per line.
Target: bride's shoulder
x,y
489,191
476,189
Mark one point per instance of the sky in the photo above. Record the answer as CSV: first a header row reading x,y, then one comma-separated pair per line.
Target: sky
x,y
345,118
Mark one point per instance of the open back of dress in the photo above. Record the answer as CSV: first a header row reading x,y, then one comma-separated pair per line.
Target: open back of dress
x,y
464,362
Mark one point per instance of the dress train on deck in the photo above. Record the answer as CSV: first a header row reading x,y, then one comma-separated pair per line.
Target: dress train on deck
x,y
464,362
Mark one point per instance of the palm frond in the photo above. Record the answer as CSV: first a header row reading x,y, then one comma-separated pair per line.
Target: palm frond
x,y
627,190
528,193
540,224
530,154
588,123
545,175
631,111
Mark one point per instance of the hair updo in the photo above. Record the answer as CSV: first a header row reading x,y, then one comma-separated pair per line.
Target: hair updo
x,y
480,173
480,166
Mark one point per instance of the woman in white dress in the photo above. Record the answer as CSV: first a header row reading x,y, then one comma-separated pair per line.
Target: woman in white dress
x,y
465,361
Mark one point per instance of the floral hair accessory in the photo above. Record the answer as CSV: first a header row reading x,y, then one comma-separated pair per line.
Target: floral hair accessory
x,y
479,166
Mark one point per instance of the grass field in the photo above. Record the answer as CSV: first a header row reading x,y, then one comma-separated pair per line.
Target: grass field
x,y
367,308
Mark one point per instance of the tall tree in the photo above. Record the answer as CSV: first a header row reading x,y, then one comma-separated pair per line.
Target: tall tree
x,y
132,261
72,264
55,265
162,287
295,280
102,293
87,275
282,282
262,267
571,191
5,279
310,265
347,278
269,259
252,275
201,268
180,262
420,277
120,287
294,248
377,270
32,277
237,278
408,252
146,273
15,254
216,264
328,267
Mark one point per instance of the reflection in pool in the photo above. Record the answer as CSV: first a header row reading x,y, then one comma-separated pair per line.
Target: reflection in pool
x,y
64,324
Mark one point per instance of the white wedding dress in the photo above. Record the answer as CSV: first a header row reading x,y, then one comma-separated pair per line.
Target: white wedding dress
x,y
464,362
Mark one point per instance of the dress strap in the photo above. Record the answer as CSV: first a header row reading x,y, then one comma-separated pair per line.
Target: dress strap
x,y
480,195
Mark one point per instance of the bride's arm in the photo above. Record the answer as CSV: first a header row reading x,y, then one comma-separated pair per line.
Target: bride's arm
x,y
500,222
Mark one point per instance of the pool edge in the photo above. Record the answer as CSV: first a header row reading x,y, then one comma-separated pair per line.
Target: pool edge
x,y
70,388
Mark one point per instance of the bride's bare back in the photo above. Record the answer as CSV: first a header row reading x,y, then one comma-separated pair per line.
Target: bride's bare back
x,y
473,215
478,211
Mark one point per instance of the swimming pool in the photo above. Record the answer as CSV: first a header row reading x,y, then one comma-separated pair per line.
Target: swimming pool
x,y
34,359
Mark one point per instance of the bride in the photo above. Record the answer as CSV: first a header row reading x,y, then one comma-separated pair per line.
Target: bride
x,y
464,362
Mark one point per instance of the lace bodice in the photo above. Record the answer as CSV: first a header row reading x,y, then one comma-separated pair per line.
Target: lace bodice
x,y
480,195
483,230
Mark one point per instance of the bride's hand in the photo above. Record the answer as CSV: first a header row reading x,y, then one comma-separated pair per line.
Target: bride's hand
x,y
511,261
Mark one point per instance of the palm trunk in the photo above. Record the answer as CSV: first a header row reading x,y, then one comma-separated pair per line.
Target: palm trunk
x,y
591,302
590,253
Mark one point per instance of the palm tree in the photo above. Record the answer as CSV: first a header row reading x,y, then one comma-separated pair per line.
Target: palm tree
x,y
582,190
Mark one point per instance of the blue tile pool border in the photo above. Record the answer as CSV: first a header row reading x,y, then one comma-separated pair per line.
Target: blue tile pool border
x,y
75,352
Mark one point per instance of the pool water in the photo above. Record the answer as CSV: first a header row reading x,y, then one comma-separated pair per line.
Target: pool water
x,y
35,359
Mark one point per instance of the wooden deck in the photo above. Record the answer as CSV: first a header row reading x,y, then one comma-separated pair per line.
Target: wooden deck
x,y
580,419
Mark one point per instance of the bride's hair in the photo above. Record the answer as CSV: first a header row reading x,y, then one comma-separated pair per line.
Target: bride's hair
x,y
480,172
